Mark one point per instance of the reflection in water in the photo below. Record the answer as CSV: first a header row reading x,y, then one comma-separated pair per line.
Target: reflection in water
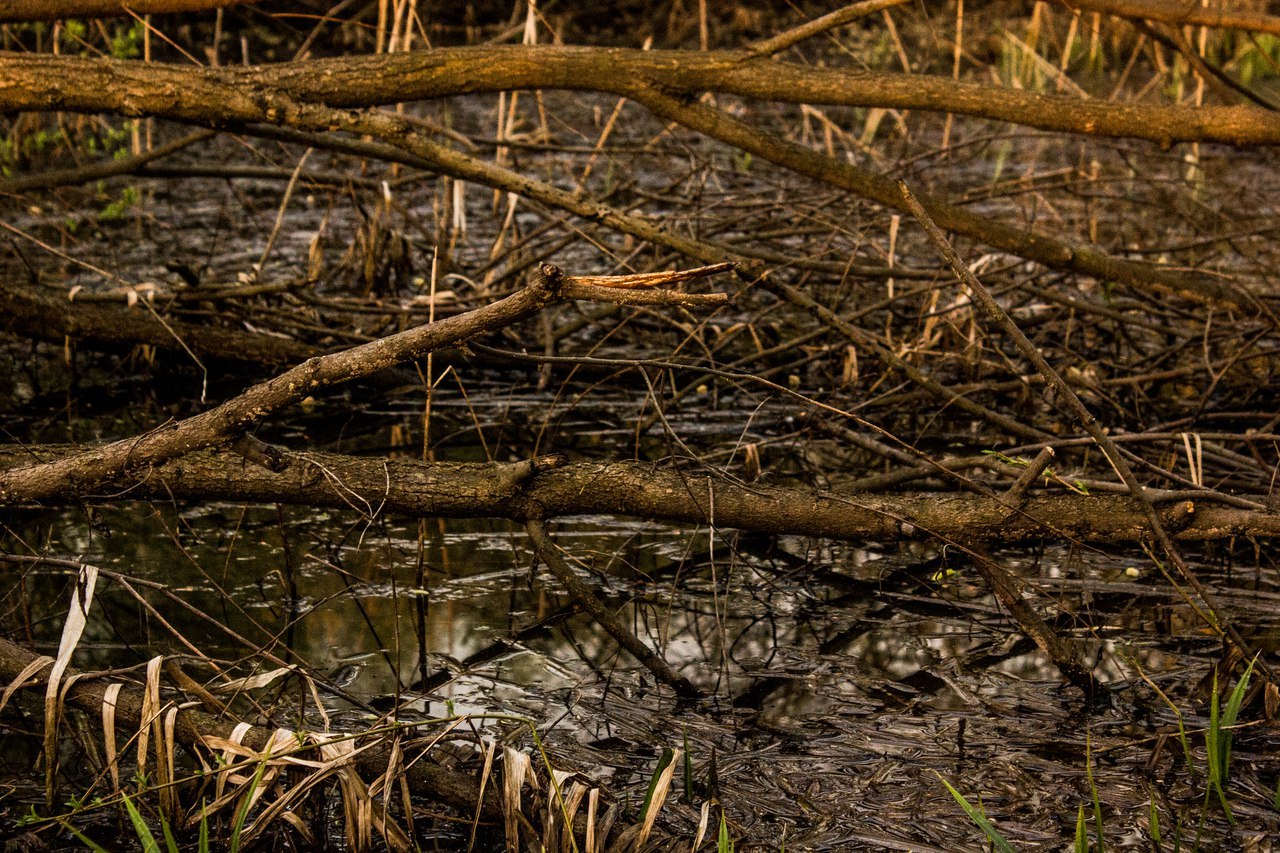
x,y
841,675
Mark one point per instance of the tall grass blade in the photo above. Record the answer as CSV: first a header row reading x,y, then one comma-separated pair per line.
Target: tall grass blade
x,y
242,813
72,630
140,828
657,792
1093,790
515,765
88,842
704,819
1218,738
687,794
993,834
202,844
1231,714
1182,726
170,843
724,844
1153,818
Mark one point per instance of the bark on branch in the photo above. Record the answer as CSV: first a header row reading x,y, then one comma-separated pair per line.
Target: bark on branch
x,y
93,469
1185,14
40,82
17,11
548,488
43,316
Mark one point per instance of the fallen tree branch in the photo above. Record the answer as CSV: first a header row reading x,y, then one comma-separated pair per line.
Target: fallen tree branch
x,y
1184,14
39,81
549,488
101,169
107,464
95,468
549,553
17,11
43,316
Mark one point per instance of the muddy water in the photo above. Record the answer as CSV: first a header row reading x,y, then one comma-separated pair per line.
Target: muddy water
x,y
845,678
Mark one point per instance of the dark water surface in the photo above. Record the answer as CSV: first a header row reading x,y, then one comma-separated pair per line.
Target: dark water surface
x,y
844,678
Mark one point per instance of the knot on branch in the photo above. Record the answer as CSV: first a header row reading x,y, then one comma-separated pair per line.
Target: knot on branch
x,y
512,478
549,281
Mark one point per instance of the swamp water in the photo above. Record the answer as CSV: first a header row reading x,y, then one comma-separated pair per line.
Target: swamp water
x,y
846,679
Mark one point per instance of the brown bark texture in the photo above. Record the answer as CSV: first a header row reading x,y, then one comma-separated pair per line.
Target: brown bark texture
x,y
52,315
1185,14
551,488
18,11
34,82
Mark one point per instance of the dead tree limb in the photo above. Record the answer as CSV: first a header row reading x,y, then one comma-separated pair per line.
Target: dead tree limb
x,y
1008,590
95,468
1184,14
21,11
549,488
37,313
100,170
107,464
364,81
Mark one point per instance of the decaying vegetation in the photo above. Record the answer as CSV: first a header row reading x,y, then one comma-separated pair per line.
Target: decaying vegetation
x,y
888,393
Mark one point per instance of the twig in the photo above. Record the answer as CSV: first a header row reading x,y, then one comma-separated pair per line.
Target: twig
x,y
664,278
643,297
829,21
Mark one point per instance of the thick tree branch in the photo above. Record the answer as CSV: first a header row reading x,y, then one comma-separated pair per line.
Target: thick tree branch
x,y
547,488
1184,14
38,82
44,316
95,468
16,11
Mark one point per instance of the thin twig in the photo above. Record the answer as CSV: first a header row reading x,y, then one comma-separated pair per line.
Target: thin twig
x,y
829,21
